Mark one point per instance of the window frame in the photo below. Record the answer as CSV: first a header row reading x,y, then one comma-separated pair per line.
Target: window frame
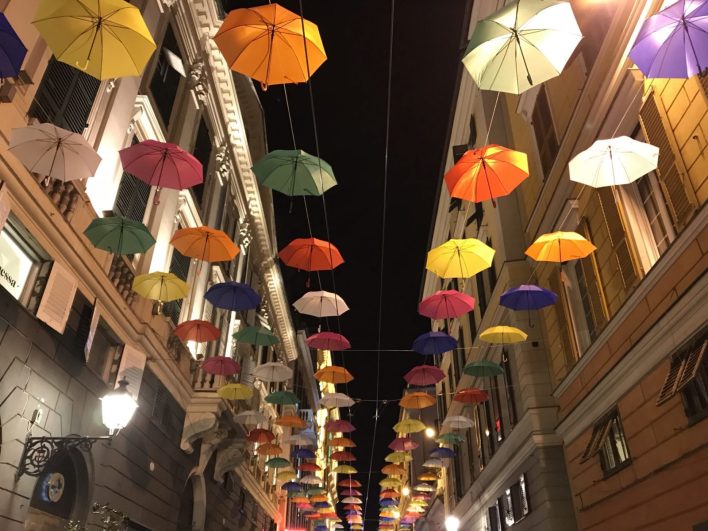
x,y
685,367
551,132
605,433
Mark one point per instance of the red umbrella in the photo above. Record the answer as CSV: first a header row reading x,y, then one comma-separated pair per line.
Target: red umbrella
x,y
196,330
446,304
351,492
343,456
403,444
220,365
339,426
260,436
424,375
471,395
328,341
309,467
389,493
311,254
350,483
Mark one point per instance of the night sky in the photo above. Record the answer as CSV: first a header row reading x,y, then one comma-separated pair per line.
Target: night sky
x,y
350,93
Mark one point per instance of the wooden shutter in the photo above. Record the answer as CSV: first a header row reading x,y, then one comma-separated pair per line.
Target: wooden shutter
x,y
4,204
132,366
673,186
590,282
559,310
692,362
599,433
93,325
57,298
672,377
618,237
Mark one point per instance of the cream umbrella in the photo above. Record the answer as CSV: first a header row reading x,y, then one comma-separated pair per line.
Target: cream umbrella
x,y
321,304
273,372
334,400
458,422
613,162
250,416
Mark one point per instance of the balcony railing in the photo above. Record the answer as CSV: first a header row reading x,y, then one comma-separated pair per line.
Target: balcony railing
x,y
64,195
121,275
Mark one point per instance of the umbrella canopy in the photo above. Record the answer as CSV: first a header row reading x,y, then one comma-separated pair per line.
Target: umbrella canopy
x,y
460,258
458,422
197,330
267,43
393,470
282,398
424,487
446,304
256,335
349,483
233,296
105,38
442,453
483,368
290,486
204,243
527,297
351,492
333,374
309,467
390,482
674,42
310,479
344,469
352,499
417,400
335,400
321,304
613,162
54,152
409,426
503,335
162,164
403,444
160,286
487,173
249,416
559,247
343,456
301,439
119,235
428,476
277,462
522,45
328,341
423,375
389,493
434,463
450,438
294,172
432,343
339,426
273,371
12,51
269,449
342,442
220,365
260,436
290,476
471,395
311,254
239,391
291,421
304,453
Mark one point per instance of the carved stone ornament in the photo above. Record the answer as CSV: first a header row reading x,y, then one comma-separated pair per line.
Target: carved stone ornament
x,y
165,5
197,80
223,162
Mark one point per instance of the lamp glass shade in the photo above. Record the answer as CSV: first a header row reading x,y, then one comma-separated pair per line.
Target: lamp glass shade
x,y
117,408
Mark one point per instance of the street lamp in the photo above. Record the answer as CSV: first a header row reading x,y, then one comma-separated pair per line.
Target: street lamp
x,y
117,408
430,433
452,523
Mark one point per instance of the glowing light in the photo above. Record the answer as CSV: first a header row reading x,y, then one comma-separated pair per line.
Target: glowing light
x,y
452,523
406,491
429,433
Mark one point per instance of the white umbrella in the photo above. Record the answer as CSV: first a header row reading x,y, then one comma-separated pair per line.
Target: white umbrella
x,y
613,162
273,372
54,152
351,499
522,45
250,416
434,463
310,479
321,304
300,439
458,422
332,400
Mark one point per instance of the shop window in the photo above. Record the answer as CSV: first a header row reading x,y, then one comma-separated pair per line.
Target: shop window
x,y
105,353
24,266
78,324
132,196
688,375
608,441
166,78
546,139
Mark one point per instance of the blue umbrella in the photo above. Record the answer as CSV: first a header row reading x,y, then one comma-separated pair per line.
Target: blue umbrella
x,y
233,296
321,528
321,505
12,51
304,453
528,297
442,453
291,486
387,502
432,343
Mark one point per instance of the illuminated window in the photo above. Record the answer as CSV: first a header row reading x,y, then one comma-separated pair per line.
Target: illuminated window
x,y
21,261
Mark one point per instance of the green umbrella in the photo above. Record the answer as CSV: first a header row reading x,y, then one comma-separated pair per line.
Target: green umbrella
x,y
277,462
294,172
483,368
119,235
257,335
450,438
282,397
315,490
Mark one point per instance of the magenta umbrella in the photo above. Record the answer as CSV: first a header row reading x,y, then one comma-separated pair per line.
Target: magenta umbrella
x,y
424,375
403,444
220,365
339,426
328,341
446,304
163,165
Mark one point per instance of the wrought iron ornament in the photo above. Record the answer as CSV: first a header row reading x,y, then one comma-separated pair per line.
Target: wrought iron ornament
x,y
38,451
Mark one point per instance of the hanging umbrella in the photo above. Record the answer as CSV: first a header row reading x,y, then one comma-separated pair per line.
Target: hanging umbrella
x,y
294,173
344,469
286,398
290,476
460,258
290,486
343,456
273,372
310,479
309,467
503,335
311,254
403,444
352,499
450,438
291,421
204,243
334,375
260,436
12,51
428,476
613,162
119,235
483,368
328,341
336,400
220,365
417,400
434,463
471,395
277,462
424,375
351,492
522,45
424,487
393,470
674,42
54,152
321,304
446,304
339,426
267,43
487,173
318,498
390,482
442,453
304,453
432,343
301,439
527,297
322,505
316,490
349,483
269,449
342,442
239,391
233,296
389,493
559,247
249,416
256,335
105,38
197,330
160,286
458,422
409,426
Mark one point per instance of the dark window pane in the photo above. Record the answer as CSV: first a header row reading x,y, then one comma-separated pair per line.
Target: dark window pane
x,y
545,132
165,79
132,196
202,152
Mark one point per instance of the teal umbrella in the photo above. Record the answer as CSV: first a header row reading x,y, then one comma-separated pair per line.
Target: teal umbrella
x,y
450,438
294,172
277,462
119,235
256,335
282,397
483,368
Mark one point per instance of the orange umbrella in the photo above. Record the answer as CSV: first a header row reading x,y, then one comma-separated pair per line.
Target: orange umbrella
x,y
417,400
342,442
291,421
559,247
393,470
319,498
204,243
428,476
299,499
311,254
267,44
334,375
269,449
389,493
485,173
309,467
196,330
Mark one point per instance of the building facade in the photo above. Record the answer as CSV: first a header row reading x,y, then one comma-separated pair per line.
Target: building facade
x,y
598,419
70,325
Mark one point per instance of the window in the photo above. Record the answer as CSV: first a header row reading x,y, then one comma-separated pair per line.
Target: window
x,y
511,508
545,132
105,353
688,374
608,441
167,76
657,214
519,499
509,389
202,152
494,519
179,265
132,196
22,261
78,324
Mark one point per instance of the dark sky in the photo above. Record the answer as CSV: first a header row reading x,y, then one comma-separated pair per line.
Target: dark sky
x,y
350,102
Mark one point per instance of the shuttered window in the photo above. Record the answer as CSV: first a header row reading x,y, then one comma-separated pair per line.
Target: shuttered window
x,y
132,196
545,132
682,370
590,289
618,238
609,441
558,329
65,97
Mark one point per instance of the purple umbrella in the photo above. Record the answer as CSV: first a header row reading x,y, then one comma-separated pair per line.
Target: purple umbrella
x,y
442,453
12,51
304,453
233,296
432,343
291,486
674,42
387,502
528,297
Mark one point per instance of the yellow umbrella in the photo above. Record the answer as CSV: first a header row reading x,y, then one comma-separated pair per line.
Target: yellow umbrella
x,y
286,475
417,400
398,457
503,334
393,470
390,482
460,258
235,391
344,469
409,426
334,375
160,286
559,247
104,38
428,476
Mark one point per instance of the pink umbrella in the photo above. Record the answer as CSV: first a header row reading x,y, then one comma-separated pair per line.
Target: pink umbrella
x,y
446,304
403,444
424,375
328,341
351,492
163,165
220,365
343,426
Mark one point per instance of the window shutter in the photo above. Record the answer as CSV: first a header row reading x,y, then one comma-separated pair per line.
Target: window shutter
x,y
618,237
599,434
57,298
558,309
95,318
672,377
591,283
132,366
692,362
672,184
